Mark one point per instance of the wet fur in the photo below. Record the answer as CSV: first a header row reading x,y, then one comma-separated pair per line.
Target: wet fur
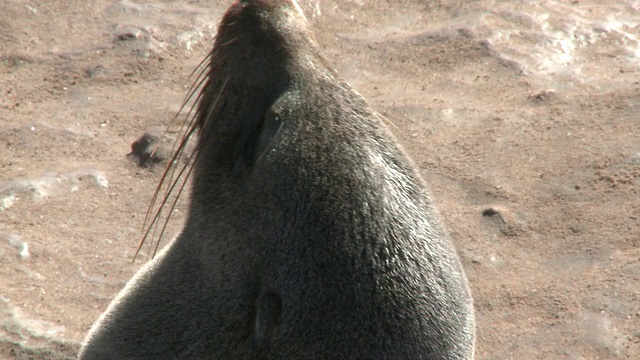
x,y
310,233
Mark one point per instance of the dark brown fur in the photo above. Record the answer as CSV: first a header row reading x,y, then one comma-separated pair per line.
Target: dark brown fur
x,y
310,233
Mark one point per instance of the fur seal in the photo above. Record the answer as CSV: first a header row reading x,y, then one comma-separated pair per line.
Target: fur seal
x,y
310,234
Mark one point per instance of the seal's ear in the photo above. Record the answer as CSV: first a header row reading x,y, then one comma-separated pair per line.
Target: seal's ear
x,y
268,311
256,144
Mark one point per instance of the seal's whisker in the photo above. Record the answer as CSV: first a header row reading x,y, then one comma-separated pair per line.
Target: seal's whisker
x,y
193,89
173,205
192,127
229,42
173,180
203,127
158,212
200,68
392,124
192,115
163,180
197,84
187,128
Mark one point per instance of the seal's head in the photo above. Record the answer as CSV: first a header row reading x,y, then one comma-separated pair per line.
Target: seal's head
x,y
259,49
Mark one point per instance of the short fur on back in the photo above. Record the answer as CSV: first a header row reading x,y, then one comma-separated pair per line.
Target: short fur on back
x,y
310,234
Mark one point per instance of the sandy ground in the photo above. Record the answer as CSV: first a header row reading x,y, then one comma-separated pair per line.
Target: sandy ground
x,y
536,170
